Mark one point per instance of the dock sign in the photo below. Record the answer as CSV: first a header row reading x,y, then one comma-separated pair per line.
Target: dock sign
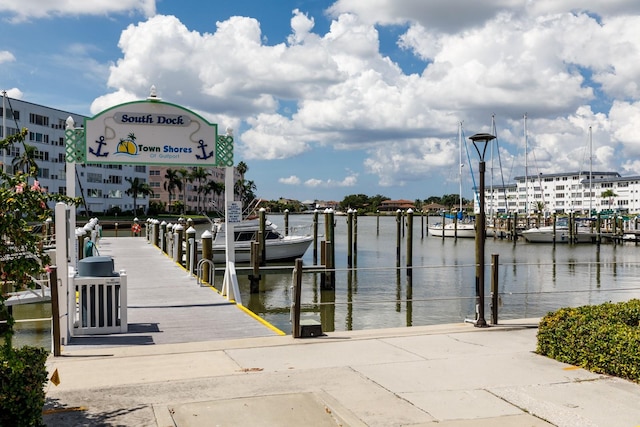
x,y
150,132
234,211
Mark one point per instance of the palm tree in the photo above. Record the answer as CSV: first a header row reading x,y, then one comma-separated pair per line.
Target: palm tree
x,y
214,187
172,182
609,194
246,191
27,161
199,174
138,187
242,168
185,177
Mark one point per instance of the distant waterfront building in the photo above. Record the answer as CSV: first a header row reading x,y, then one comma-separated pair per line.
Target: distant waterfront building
x,y
194,200
394,205
102,186
571,192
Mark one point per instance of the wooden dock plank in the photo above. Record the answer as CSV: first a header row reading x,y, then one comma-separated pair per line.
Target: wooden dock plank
x,y
166,305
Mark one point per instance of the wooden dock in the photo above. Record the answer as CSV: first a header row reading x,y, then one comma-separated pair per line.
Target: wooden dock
x,y
166,305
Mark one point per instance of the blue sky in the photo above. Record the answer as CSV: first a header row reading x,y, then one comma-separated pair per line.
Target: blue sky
x,y
330,98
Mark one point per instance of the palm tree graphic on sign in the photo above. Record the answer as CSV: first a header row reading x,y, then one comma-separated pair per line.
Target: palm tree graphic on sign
x,y
128,145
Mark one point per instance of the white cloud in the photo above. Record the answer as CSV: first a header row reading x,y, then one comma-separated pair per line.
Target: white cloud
x,y
6,56
15,93
291,180
340,90
35,9
349,181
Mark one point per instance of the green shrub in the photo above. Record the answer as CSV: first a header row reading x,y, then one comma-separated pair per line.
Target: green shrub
x,y
603,338
23,376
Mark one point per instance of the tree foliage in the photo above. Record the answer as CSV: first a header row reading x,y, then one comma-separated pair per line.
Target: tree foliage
x,y
22,257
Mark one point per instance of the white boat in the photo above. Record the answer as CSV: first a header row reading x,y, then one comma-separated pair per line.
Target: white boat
x,y
278,246
545,234
459,229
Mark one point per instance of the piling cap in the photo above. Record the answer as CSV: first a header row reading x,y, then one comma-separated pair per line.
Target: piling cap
x,y
191,230
178,227
206,235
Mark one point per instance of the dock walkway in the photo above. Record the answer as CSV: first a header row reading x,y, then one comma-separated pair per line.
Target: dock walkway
x,y
166,305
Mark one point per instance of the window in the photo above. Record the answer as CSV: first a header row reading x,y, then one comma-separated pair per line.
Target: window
x,y
559,187
94,192
94,177
37,119
115,179
141,169
559,195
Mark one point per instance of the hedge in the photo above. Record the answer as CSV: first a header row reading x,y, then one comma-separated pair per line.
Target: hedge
x,y
602,338
23,376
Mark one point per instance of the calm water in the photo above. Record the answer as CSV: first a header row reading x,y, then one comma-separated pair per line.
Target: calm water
x,y
533,278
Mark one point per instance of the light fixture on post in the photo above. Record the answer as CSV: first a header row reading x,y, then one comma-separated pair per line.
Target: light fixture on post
x,y
480,142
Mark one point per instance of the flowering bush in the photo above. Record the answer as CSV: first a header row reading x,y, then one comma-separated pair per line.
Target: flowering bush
x,y
23,203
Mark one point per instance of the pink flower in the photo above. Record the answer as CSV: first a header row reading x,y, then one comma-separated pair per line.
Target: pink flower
x,y
43,205
47,268
19,188
35,186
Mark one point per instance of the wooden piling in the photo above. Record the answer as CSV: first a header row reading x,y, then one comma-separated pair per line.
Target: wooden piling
x,y
355,238
349,238
254,277
315,236
262,235
297,280
207,253
398,235
409,242
286,222
55,311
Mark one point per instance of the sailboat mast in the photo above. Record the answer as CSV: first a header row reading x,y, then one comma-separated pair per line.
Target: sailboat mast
x,y
590,170
526,170
460,164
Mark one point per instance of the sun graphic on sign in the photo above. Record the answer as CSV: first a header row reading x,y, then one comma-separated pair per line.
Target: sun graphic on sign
x,y
127,145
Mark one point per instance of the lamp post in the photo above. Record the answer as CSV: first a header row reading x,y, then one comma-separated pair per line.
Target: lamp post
x,y
480,142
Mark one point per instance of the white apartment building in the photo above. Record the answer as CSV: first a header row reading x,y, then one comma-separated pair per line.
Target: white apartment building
x,y
103,187
572,192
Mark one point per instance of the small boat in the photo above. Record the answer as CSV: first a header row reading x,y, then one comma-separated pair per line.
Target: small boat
x,y
278,246
451,229
545,234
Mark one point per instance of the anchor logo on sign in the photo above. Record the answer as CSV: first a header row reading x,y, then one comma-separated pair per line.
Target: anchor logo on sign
x,y
204,155
99,152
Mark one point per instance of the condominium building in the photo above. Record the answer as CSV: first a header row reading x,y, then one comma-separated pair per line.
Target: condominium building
x,y
572,192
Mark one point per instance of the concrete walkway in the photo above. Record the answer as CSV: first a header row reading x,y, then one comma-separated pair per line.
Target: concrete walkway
x,y
452,375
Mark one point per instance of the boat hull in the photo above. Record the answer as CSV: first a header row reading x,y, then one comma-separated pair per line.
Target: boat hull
x,y
543,235
449,230
287,248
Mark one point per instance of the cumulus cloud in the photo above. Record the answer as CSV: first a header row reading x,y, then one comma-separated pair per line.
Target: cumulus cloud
x,y
291,180
6,56
21,11
349,181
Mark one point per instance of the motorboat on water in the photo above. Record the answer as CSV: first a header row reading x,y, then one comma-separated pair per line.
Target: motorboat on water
x,y
278,246
559,234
